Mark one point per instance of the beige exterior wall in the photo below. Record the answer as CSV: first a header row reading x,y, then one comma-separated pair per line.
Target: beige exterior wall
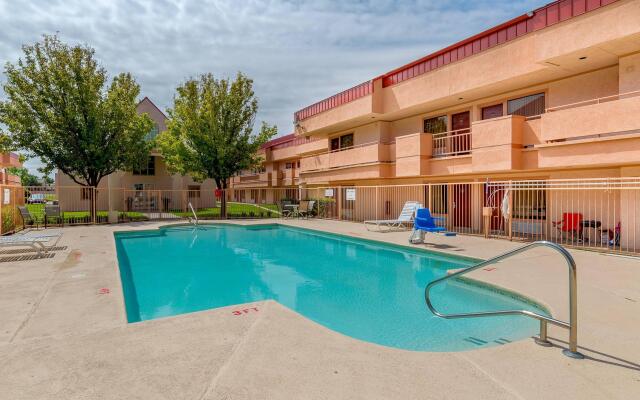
x,y
580,66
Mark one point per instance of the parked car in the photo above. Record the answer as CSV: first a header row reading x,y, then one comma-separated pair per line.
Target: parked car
x,y
37,198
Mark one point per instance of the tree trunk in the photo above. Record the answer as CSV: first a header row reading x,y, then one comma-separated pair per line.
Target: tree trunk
x,y
92,204
223,200
221,184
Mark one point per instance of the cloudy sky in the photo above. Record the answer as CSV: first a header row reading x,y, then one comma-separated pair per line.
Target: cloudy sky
x,y
297,51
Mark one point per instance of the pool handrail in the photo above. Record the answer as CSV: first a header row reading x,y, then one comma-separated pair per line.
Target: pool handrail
x,y
195,216
572,325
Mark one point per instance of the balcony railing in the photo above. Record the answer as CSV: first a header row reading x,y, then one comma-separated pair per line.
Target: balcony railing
x,y
452,143
296,142
365,153
598,100
600,118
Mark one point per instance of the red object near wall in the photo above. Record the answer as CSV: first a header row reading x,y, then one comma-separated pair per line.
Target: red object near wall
x,y
218,193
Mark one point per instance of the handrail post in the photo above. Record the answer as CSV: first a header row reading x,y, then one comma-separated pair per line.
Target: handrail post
x,y
573,311
542,337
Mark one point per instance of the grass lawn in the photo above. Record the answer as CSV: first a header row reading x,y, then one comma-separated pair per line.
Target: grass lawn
x,y
70,217
238,210
234,210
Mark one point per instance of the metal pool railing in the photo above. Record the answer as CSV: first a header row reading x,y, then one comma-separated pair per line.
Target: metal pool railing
x,y
572,325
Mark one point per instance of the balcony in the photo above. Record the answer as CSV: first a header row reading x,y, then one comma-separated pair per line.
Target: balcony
x,y
365,161
452,143
497,144
412,154
284,153
290,177
613,114
343,110
599,131
262,179
276,178
313,146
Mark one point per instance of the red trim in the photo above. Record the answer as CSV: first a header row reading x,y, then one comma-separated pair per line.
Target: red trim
x,y
455,46
279,140
550,14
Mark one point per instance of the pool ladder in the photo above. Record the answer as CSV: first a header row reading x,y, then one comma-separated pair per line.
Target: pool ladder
x,y
193,221
542,340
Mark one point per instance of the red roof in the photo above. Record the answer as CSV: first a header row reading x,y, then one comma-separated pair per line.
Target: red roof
x,y
279,140
540,18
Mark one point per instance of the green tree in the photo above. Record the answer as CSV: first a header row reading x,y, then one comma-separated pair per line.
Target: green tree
x,y
46,179
210,130
26,178
60,109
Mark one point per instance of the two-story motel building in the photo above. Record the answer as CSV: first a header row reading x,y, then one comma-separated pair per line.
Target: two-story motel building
x,y
552,94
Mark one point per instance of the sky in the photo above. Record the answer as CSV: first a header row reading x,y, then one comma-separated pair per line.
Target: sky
x,y
297,52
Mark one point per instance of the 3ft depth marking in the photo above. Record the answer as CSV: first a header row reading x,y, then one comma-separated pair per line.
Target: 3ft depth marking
x,y
245,311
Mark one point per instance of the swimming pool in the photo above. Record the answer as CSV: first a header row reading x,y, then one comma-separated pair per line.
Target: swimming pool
x,y
367,290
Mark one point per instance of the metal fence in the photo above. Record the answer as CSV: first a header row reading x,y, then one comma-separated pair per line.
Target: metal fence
x,y
599,214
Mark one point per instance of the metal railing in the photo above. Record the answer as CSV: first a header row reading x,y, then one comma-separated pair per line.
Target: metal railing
x,y
194,221
452,143
572,325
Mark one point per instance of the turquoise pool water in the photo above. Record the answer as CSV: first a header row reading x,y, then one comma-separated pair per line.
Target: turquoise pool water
x,y
367,290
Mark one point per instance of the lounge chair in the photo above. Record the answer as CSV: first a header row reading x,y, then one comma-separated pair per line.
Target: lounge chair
x,y
37,240
404,219
306,208
27,218
424,222
52,213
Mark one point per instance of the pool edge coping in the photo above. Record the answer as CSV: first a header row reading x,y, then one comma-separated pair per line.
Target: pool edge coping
x,y
495,288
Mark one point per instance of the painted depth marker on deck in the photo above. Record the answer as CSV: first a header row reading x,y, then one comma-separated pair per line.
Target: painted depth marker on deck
x,y
245,311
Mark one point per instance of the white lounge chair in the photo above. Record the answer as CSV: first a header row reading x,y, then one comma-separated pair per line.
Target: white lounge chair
x,y
37,240
404,220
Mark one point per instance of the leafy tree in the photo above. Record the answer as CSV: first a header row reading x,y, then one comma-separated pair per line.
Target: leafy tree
x,y
46,179
210,130
26,178
60,109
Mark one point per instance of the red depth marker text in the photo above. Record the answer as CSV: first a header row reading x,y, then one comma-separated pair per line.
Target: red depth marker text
x,y
245,311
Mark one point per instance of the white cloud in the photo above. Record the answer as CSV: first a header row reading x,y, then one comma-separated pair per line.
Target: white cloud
x,y
297,52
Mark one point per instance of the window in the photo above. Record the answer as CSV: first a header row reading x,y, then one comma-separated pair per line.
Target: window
x,y
494,111
439,202
153,132
435,124
148,169
527,106
141,190
530,204
288,165
298,164
342,142
193,191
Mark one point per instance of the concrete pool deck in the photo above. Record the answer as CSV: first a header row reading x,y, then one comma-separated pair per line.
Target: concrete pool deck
x,y
64,335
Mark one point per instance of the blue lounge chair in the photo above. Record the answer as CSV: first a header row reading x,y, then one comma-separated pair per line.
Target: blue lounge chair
x,y
424,222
